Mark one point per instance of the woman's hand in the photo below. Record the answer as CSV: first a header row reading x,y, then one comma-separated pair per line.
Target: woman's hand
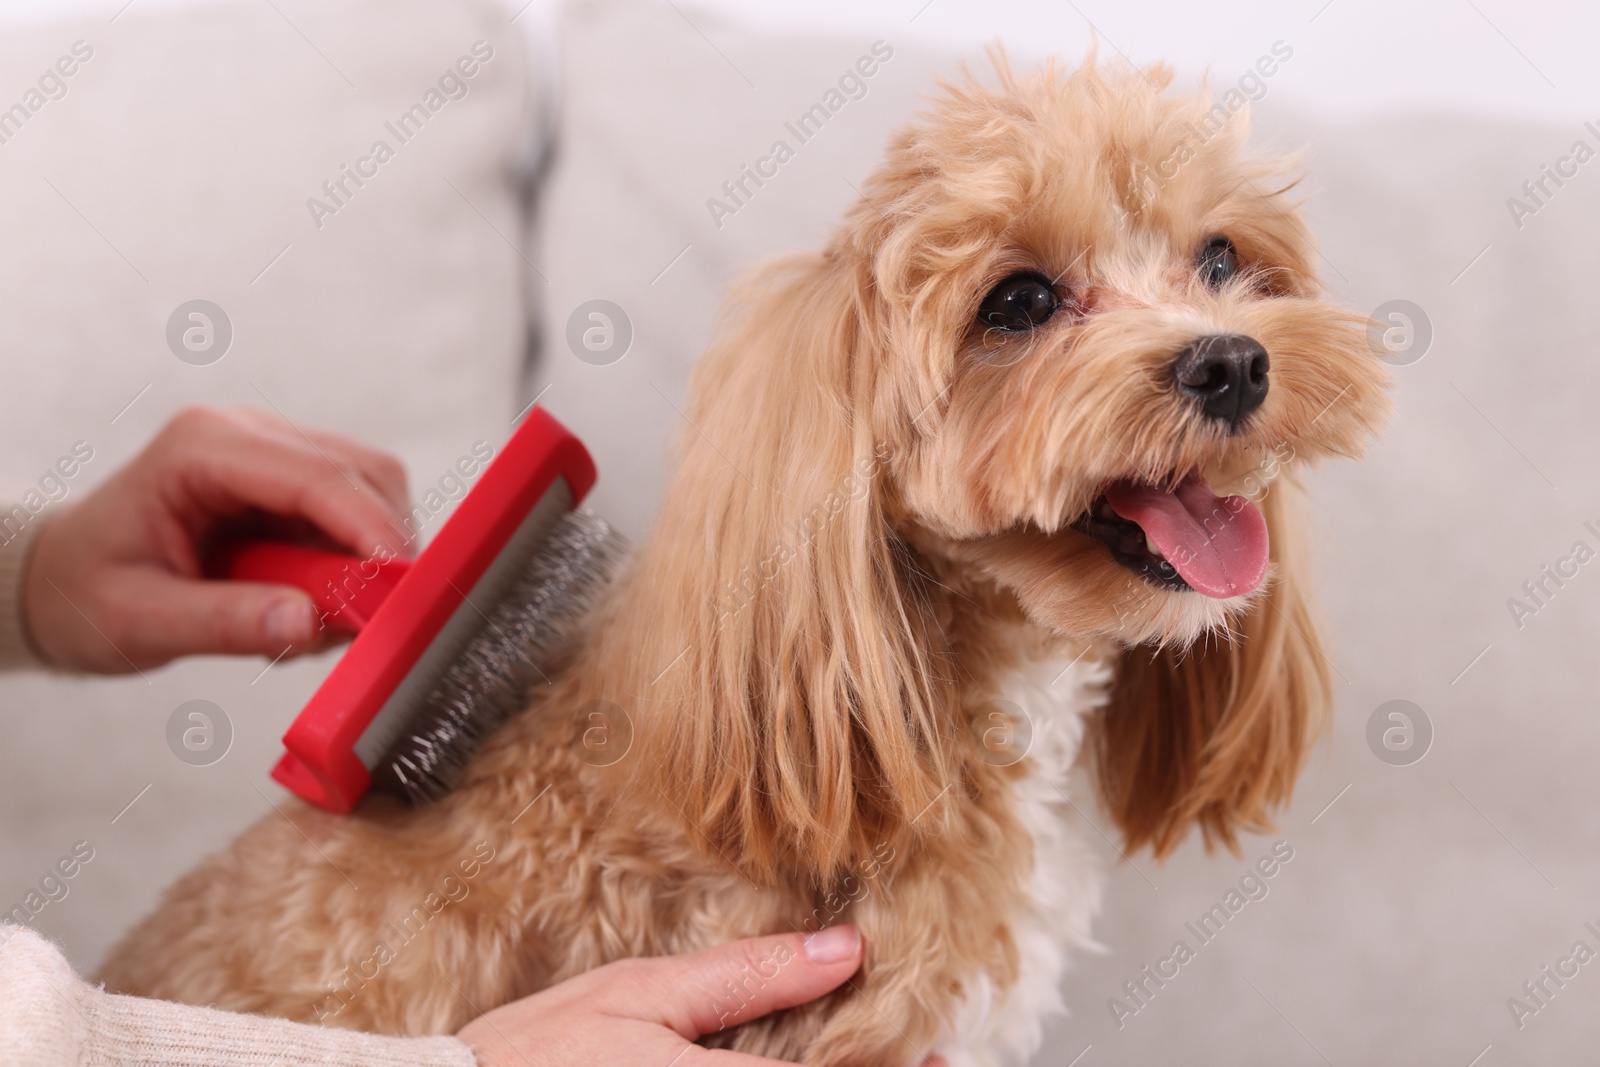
x,y
648,1012
114,583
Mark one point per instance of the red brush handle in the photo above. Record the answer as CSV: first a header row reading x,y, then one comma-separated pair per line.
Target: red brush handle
x,y
346,589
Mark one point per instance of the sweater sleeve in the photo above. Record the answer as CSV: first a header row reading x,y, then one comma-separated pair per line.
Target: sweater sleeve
x,y
18,528
49,1017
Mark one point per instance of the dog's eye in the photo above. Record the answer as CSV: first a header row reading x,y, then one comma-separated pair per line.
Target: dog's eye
x,y
1021,302
1218,261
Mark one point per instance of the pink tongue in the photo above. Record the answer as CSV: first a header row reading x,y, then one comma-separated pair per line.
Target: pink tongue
x,y
1218,544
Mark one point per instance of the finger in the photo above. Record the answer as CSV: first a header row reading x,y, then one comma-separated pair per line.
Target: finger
x,y
225,466
156,617
707,991
380,470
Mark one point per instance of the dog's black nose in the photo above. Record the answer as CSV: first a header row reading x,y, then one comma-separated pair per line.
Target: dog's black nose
x,y
1226,374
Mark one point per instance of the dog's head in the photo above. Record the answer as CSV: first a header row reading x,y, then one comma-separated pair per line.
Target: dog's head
x,y
1071,343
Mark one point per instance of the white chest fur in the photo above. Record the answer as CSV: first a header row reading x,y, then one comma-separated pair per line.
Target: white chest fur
x,y
998,1027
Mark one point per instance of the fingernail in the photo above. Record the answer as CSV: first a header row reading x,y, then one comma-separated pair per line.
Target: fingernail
x,y
834,944
289,622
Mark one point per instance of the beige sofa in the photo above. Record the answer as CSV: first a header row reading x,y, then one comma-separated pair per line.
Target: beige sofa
x,y
1419,897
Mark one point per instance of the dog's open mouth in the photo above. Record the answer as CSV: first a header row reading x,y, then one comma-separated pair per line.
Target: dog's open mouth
x,y
1183,538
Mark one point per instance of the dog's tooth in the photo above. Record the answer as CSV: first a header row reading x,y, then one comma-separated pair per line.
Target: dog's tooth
x,y
1150,547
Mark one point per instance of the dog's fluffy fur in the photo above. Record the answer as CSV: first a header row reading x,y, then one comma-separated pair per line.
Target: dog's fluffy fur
x,y
867,542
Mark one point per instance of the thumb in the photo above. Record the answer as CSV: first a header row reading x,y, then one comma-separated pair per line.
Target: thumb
x,y
721,987
184,616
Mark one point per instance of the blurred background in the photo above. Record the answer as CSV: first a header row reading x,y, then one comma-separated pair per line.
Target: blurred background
x,y
1441,859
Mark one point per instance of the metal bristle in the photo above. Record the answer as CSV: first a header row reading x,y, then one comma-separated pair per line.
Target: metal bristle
x,y
534,625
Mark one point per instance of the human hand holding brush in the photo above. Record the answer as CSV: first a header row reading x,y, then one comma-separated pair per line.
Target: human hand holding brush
x,y
114,583
237,532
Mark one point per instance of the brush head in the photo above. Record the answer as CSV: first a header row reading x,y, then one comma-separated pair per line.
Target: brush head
x,y
536,620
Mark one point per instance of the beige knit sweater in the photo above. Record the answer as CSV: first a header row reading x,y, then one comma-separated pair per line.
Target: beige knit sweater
x,y
49,1017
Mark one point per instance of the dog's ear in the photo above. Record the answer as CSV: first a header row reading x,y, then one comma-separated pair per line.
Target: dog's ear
x,y
1215,734
794,716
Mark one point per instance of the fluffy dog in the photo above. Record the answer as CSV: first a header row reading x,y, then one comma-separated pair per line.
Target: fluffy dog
x,y
1001,477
